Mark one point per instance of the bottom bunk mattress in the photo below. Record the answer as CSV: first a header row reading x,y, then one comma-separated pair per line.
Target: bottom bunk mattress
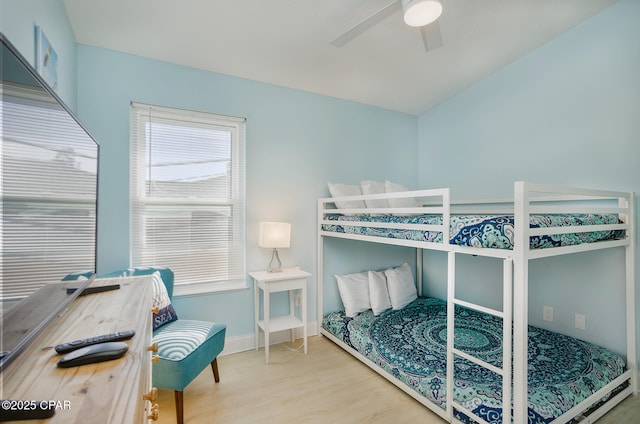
x,y
411,344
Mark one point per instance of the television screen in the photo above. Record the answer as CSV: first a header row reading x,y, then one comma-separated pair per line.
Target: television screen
x,y
48,209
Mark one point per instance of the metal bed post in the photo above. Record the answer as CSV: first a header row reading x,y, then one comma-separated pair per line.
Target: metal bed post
x,y
319,267
520,302
451,292
507,310
419,270
630,258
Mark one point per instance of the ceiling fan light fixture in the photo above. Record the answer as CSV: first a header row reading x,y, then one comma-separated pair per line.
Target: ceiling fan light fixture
x,y
419,13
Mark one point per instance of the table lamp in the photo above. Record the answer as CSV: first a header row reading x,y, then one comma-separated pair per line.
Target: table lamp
x,y
274,235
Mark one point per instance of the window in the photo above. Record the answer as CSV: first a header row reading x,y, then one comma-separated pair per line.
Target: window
x,y
187,196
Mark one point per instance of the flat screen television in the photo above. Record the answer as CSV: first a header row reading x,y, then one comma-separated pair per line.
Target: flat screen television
x,y
48,209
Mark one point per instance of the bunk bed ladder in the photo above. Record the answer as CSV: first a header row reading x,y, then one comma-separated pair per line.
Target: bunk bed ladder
x,y
452,351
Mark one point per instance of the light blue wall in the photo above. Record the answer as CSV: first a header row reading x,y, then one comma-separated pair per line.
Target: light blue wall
x,y
568,113
296,142
18,19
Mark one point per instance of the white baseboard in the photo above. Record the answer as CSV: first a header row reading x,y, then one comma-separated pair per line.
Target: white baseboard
x,y
236,344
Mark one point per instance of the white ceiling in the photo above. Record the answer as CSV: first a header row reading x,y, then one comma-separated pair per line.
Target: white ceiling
x,y
286,42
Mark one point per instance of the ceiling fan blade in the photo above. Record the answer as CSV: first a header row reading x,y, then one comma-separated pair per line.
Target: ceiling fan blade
x,y
431,36
367,23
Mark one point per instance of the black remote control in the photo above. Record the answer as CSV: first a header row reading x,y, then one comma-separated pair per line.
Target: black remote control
x,y
77,344
95,353
36,410
92,290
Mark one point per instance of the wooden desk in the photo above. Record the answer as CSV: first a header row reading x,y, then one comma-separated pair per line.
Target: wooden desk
x,y
106,392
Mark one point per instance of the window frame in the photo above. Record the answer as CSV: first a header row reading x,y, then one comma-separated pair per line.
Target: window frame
x,y
142,114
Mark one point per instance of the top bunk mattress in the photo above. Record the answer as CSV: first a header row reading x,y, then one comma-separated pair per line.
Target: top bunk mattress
x,y
480,231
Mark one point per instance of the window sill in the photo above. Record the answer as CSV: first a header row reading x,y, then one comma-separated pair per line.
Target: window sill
x,y
208,288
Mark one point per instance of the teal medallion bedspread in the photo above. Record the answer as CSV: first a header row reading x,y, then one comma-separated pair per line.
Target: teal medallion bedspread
x,y
410,344
486,231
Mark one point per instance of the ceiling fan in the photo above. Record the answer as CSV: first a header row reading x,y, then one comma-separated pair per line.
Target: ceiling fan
x,y
422,14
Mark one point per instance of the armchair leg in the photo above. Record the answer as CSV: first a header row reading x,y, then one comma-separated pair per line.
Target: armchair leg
x,y
179,394
179,407
214,367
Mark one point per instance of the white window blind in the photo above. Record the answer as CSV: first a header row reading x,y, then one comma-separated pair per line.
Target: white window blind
x,y
188,196
48,189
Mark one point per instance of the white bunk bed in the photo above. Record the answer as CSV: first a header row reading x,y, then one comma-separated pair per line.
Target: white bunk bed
x,y
530,200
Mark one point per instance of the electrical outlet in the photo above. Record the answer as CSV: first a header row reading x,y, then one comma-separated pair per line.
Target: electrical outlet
x,y
581,322
547,313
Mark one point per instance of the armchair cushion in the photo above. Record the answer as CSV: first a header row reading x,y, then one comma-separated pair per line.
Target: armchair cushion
x,y
185,347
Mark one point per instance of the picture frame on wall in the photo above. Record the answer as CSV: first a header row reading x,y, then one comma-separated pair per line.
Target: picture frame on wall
x,y
46,59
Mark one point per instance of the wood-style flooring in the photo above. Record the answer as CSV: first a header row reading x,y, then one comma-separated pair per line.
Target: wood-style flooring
x,y
327,385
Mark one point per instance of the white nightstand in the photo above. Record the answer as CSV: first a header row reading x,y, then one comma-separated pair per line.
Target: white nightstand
x,y
289,279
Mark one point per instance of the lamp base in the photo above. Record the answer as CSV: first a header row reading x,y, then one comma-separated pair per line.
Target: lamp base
x,y
275,265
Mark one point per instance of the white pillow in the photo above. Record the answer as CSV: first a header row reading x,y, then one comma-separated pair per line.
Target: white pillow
x,y
405,202
374,187
401,285
339,190
378,292
354,292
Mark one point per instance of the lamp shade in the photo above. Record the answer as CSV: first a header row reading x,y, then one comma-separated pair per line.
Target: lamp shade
x,y
419,13
275,235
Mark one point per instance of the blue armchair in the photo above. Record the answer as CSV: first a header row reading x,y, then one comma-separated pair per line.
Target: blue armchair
x,y
185,347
